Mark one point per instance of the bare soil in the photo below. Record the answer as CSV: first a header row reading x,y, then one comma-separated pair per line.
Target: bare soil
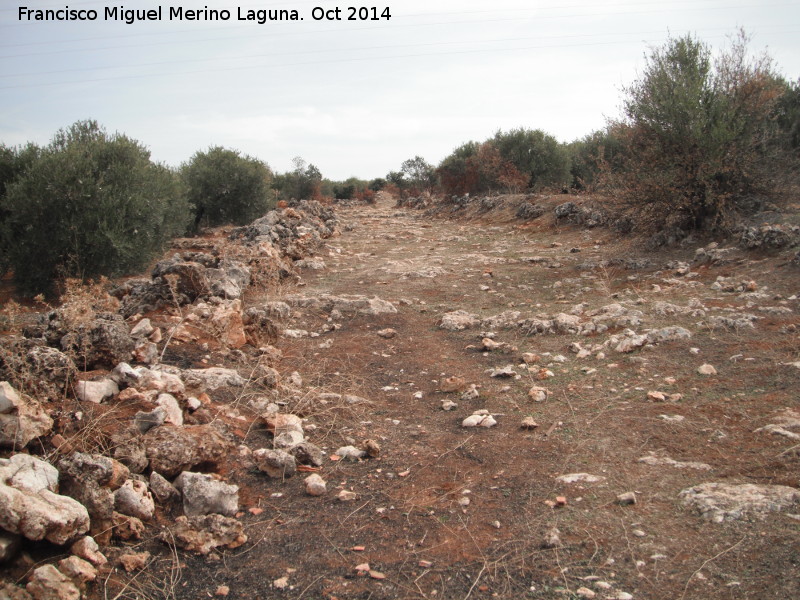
x,y
522,534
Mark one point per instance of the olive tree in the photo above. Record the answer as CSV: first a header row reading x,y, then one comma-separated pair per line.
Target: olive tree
x,y
226,188
695,135
90,203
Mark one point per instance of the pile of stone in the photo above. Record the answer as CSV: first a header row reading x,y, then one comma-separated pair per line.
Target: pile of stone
x,y
580,215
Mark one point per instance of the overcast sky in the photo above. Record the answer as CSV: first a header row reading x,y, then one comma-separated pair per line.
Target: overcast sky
x,y
353,98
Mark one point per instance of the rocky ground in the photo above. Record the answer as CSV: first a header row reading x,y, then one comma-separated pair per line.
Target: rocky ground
x,y
478,398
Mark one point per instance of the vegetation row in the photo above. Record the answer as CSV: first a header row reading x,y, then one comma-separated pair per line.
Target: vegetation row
x,y
702,140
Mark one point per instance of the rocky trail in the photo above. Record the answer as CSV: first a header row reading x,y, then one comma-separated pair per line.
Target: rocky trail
x,y
475,407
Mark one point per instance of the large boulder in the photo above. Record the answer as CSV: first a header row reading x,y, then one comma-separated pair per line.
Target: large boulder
x,y
36,368
31,506
102,343
228,325
212,378
720,502
230,280
134,499
203,534
92,479
21,418
458,320
172,450
204,495
185,278
48,583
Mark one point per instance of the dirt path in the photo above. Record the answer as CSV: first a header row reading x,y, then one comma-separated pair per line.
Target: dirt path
x,y
639,477
452,512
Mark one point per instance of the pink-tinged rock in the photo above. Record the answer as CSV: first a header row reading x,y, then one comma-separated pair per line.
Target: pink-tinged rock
x,y
29,505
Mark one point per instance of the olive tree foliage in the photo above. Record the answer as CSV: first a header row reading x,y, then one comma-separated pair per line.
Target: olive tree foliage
x,y
419,174
536,154
226,187
592,155
89,204
474,168
304,182
697,135
13,163
788,118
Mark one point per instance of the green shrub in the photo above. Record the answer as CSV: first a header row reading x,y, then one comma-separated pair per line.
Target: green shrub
x,y
13,163
90,204
304,182
537,155
226,188
596,153
477,168
696,136
788,117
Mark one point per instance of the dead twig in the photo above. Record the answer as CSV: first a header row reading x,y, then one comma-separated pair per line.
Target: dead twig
x,y
703,566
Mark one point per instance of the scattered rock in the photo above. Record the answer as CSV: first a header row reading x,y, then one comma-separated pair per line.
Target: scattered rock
x,y
87,549
351,453
470,393
204,494
306,453
29,505
126,527
145,421
720,502
79,571
786,422
453,384
22,418
48,583
458,320
580,478
626,498
538,394
372,448
706,369
203,534
315,485
134,561
135,500
552,539
172,410
448,405
172,450
163,491
275,463
213,378
45,373
480,418
96,391
92,479
504,372
529,423
103,343
655,461
387,333
346,496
